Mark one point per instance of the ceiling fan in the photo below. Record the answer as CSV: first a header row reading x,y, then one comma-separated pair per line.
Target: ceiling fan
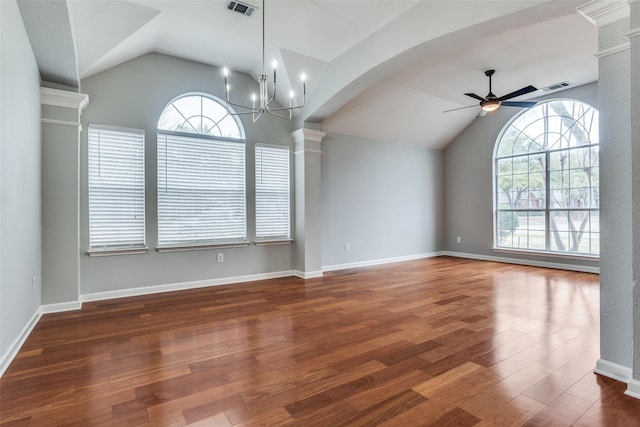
x,y
492,102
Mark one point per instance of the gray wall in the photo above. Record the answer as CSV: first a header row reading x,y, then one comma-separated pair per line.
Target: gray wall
x,y
635,186
469,183
20,154
384,199
133,95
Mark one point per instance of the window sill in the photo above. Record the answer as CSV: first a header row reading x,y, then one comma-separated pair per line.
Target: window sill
x,y
113,252
273,242
182,248
547,254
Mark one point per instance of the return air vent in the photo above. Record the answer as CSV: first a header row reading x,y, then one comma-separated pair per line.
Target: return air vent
x,y
242,8
551,88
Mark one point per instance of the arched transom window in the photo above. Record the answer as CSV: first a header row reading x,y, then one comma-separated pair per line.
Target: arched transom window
x,y
201,115
546,164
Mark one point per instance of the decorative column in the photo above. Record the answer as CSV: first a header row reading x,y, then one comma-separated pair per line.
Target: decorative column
x,y
619,106
61,197
308,203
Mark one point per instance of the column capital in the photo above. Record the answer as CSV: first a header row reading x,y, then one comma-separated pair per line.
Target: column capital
x,y
603,12
63,98
305,134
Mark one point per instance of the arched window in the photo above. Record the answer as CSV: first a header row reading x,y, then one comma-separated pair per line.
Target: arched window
x,y
200,114
201,174
546,168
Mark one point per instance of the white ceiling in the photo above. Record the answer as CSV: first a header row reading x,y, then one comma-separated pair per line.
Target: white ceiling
x,y
383,69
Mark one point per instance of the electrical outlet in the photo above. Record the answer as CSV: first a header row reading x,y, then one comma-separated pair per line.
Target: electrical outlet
x,y
347,247
459,239
220,257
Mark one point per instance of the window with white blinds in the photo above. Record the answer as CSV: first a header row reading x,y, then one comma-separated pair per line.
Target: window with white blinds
x,y
116,188
201,190
272,192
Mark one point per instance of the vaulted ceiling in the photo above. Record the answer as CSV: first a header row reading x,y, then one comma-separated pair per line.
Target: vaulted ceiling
x,y
382,69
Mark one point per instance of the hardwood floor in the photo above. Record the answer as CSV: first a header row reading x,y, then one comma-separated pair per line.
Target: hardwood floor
x,y
441,341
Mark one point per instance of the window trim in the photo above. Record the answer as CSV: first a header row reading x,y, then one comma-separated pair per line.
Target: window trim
x,y
273,242
199,247
567,255
546,210
113,252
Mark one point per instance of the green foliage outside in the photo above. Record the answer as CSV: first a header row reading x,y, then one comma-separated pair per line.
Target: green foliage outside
x,y
507,223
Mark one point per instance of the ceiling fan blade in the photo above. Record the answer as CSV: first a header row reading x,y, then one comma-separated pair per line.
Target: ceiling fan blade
x,y
522,104
473,95
518,92
460,108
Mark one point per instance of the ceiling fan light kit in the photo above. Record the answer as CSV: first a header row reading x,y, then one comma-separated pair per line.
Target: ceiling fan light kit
x,y
261,103
490,105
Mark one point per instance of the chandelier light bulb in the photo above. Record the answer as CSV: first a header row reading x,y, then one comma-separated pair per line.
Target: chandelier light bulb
x,y
274,64
291,94
253,97
303,77
225,71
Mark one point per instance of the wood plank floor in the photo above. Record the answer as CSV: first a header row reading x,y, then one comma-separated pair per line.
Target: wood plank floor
x,y
441,341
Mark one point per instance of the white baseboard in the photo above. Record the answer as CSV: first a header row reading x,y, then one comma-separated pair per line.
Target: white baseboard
x,y
60,307
556,265
613,370
17,344
307,275
148,290
380,261
633,389
620,373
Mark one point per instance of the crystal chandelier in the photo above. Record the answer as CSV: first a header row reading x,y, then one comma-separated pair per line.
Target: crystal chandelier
x,y
261,103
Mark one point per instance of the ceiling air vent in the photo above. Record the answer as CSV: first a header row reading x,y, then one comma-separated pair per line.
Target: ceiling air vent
x,y
243,8
561,85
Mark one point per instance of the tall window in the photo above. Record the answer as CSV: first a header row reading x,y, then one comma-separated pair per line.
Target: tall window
x,y
547,193
116,188
272,192
201,174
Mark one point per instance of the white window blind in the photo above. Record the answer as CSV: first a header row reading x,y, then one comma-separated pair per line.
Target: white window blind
x,y
272,192
116,188
201,190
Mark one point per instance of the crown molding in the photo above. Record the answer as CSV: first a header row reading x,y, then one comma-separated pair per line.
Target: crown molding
x,y
305,134
633,33
613,50
61,123
63,98
603,12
